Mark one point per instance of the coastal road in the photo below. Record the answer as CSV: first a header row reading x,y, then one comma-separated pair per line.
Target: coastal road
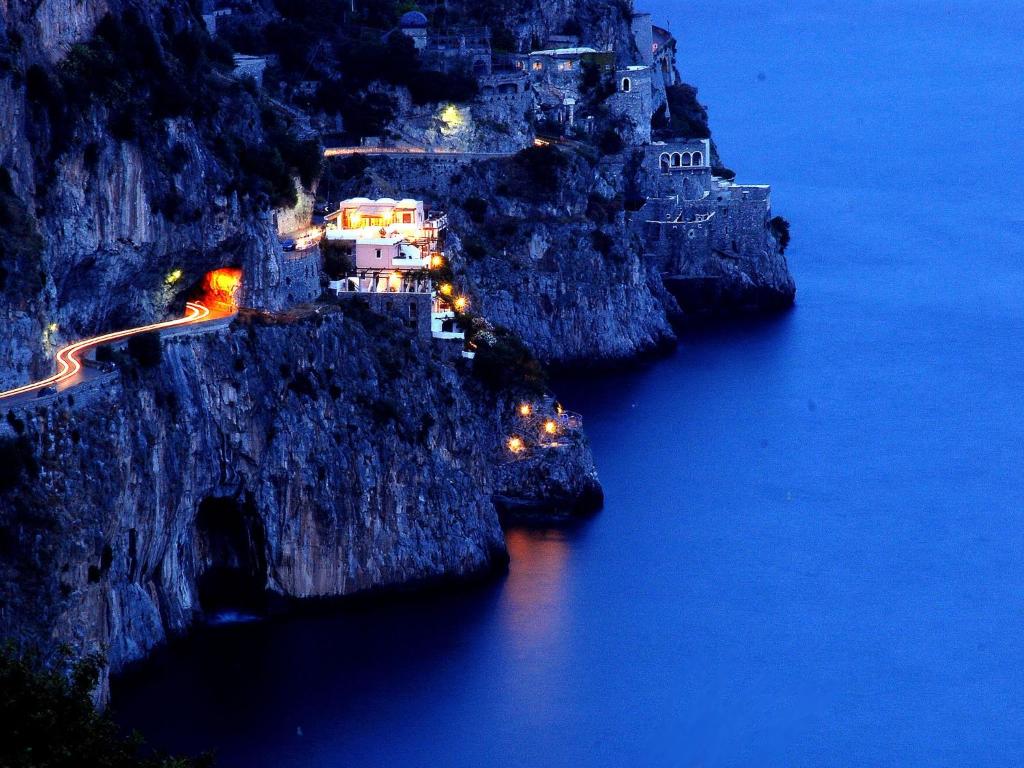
x,y
438,154
69,365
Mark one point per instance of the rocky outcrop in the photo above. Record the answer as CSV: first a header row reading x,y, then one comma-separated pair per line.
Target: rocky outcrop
x,y
121,197
554,263
311,458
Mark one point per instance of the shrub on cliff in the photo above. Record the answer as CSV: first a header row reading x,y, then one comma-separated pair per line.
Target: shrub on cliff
x,y
610,142
17,461
504,363
431,87
47,718
21,245
146,349
475,207
689,118
780,229
541,167
338,262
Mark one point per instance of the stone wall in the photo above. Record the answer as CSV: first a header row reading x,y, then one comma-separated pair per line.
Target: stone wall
x,y
301,276
410,309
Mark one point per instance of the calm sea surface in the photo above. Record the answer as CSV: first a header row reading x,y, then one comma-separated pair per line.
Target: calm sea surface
x,y
812,551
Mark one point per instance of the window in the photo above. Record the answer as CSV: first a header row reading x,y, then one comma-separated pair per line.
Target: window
x,y
677,160
407,218
627,86
686,158
698,158
537,65
378,253
664,161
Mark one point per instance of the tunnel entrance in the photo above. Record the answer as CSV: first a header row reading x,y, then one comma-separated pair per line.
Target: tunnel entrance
x,y
231,557
220,289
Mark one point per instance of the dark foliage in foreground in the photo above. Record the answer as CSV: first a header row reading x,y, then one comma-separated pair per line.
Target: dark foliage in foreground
x,y
47,719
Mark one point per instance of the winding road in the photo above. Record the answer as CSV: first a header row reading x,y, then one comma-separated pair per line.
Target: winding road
x,y
418,152
69,364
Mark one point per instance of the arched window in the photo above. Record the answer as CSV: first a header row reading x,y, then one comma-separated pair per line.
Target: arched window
x,y
686,158
677,159
698,158
665,159
626,85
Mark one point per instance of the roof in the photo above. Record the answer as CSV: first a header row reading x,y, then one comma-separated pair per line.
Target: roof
x,y
564,52
354,202
412,20
393,240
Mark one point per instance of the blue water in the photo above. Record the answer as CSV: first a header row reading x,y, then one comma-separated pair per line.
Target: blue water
x,y
812,551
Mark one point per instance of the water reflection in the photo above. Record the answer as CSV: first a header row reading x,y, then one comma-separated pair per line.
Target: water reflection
x,y
533,602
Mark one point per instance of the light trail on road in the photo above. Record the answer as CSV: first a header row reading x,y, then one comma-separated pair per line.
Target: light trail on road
x,y
68,364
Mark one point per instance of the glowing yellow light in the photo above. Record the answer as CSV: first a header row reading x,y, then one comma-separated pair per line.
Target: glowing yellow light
x,y
515,444
461,303
52,327
525,409
559,408
452,117
446,289
436,261
173,277
354,219
550,427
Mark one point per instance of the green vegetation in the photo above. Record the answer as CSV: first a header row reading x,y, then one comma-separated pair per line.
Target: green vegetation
x,y
346,53
146,349
610,142
141,78
689,118
504,363
17,459
540,171
780,229
47,719
21,246
603,242
476,208
337,257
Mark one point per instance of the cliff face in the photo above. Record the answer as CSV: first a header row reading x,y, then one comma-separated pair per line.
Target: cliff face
x,y
119,197
542,250
310,458
313,453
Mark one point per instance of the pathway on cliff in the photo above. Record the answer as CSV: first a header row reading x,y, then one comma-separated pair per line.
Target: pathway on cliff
x,y
69,358
439,154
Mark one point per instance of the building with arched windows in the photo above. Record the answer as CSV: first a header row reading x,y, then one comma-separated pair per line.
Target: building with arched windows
x,y
634,100
692,214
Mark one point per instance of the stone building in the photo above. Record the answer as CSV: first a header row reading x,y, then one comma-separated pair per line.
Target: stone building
x,y
691,213
634,100
458,48
251,67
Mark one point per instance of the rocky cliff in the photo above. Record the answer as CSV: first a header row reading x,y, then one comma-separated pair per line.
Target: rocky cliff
x,y
132,154
300,454
310,457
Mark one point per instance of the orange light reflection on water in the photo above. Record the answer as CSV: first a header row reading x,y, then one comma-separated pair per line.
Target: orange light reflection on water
x,y
533,600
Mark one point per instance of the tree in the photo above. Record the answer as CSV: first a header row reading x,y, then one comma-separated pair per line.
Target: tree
x,y
146,349
47,718
780,229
